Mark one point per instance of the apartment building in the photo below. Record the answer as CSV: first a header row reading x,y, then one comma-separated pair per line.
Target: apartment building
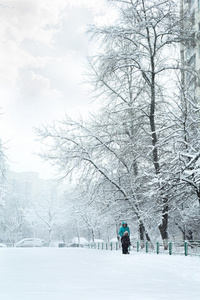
x,y
190,12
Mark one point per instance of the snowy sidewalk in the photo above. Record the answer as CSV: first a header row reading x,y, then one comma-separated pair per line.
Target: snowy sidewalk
x,y
83,274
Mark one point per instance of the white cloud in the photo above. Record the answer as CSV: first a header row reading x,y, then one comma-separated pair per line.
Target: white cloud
x,y
33,85
102,15
34,20
38,20
13,58
97,6
42,49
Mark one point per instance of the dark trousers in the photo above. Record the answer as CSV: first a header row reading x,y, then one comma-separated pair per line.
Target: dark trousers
x,y
124,249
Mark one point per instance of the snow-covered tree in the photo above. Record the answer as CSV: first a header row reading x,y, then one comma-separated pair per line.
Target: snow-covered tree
x,y
128,147
47,213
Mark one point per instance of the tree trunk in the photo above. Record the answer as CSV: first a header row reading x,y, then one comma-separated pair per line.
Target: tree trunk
x,y
78,235
198,194
50,231
117,232
189,235
143,233
92,231
163,226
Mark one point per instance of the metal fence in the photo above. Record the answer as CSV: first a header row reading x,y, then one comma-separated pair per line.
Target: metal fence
x,y
104,246
181,248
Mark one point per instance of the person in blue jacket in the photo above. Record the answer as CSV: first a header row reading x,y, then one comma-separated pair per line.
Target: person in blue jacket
x,y
123,229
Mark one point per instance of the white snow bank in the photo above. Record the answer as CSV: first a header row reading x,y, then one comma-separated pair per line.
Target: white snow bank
x,y
97,241
114,240
83,274
82,240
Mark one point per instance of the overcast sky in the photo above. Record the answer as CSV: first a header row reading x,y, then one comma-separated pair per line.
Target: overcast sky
x,y
43,48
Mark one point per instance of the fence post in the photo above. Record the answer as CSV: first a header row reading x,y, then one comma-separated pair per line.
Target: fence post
x,y
98,245
106,246
102,246
138,246
147,247
157,247
170,248
186,249
116,246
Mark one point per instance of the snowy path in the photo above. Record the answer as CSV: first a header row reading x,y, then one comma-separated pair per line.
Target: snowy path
x,y
74,274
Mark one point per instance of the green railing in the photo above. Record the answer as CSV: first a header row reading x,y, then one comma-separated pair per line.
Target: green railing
x,y
103,246
182,248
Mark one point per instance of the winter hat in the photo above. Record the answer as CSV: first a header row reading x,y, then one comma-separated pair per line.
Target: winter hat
x,y
124,223
126,233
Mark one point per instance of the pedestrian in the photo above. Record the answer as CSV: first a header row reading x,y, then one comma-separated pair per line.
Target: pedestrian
x,y
123,229
125,242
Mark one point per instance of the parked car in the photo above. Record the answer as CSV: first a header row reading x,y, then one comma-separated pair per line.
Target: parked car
x,y
3,245
78,242
29,242
54,244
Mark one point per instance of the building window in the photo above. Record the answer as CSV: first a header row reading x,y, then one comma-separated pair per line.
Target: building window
x,y
193,18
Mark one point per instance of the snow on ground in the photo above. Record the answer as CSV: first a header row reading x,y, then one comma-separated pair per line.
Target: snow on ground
x,y
74,274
